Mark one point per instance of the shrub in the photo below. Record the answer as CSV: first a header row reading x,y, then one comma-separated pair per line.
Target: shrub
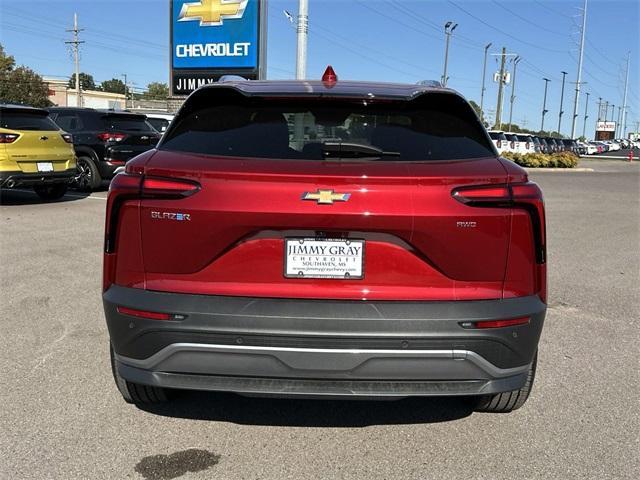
x,y
540,160
565,159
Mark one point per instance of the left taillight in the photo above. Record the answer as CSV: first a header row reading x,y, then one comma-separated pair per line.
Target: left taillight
x,y
129,185
123,187
9,137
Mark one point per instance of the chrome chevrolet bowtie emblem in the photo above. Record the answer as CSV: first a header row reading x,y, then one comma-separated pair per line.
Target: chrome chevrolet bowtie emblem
x,y
326,197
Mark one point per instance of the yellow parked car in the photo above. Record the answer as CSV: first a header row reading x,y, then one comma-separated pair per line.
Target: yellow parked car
x,y
34,152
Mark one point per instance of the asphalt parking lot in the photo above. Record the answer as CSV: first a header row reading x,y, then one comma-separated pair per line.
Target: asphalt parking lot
x,y
63,418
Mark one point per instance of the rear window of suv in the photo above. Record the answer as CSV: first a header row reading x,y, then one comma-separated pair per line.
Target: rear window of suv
x,y
310,128
26,121
131,123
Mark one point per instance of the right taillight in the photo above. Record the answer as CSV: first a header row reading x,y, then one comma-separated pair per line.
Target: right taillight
x,y
527,196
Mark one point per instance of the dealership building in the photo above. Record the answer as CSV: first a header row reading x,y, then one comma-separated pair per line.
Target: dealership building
x,y
62,96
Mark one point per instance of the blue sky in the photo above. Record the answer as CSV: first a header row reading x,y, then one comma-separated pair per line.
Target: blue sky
x,y
388,40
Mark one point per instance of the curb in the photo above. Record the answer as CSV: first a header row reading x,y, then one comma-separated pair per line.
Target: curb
x,y
546,169
607,157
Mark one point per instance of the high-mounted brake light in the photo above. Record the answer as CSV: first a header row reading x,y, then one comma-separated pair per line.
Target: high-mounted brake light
x,y
512,322
111,136
8,137
329,78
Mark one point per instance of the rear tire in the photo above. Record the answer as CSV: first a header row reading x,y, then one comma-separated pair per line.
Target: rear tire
x,y
509,401
51,192
88,177
134,392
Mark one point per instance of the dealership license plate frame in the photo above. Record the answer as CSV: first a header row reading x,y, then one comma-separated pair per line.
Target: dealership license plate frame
x,y
330,276
44,167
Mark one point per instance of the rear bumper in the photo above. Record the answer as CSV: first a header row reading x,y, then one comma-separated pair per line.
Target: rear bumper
x,y
322,348
20,179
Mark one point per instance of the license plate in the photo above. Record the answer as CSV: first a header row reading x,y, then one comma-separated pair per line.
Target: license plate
x,y
45,166
320,258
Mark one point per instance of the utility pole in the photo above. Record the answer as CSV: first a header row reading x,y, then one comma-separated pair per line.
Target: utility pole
x,y
500,86
484,74
513,89
599,108
623,121
586,108
75,45
613,109
617,132
606,109
126,88
564,74
544,102
303,32
449,27
579,80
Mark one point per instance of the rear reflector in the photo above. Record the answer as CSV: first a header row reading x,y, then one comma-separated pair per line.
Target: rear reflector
x,y
512,322
144,314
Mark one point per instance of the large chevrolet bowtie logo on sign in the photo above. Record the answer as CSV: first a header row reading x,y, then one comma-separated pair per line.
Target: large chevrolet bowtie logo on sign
x,y
212,12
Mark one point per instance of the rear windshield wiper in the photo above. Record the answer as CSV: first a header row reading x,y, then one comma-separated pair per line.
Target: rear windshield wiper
x,y
354,150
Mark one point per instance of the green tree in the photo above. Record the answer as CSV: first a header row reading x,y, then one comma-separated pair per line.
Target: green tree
x,y
157,91
114,86
24,86
476,108
7,62
21,85
86,81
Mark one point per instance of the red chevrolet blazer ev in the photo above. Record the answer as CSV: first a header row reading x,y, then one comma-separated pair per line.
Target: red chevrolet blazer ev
x,y
325,239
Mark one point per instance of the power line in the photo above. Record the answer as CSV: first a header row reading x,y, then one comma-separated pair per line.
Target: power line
x,y
517,39
463,41
546,7
524,19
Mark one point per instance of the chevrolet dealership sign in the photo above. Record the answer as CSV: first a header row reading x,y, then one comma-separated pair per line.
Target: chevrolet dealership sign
x,y
211,38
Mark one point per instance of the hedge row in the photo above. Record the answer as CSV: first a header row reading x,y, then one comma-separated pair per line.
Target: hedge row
x,y
539,160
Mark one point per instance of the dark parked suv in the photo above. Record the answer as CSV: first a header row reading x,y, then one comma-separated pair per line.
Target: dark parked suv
x,y
103,140
327,239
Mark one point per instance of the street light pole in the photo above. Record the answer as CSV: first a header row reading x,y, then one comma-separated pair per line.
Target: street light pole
x,y
513,89
579,80
586,107
544,103
564,74
484,74
303,32
623,120
449,27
